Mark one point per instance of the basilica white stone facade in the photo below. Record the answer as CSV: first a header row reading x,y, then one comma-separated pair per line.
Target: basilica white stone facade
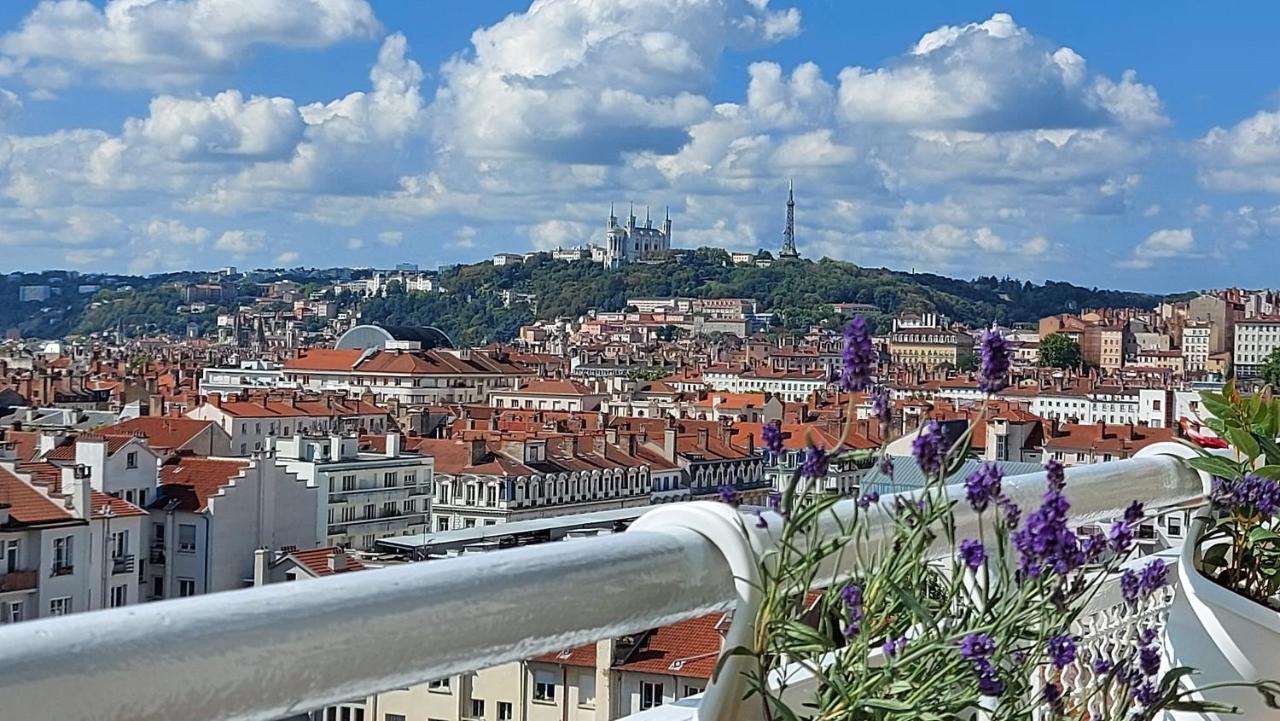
x,y
626,243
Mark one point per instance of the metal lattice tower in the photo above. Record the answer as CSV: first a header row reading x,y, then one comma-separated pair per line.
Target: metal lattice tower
x,y
789,233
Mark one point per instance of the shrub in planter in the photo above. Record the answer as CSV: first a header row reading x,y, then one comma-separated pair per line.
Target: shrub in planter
x,y
1226,619
912,621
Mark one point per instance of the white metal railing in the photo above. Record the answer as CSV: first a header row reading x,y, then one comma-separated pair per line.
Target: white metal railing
x,y
268,652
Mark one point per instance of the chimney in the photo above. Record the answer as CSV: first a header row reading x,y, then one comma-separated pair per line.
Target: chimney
x,y
479,451
338,561
393,445
214,399
1102,429
702,437
1128,432
155,405
669,444
261,562
76,487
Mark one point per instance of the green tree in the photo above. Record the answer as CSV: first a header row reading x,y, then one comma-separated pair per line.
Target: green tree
x,y
1270,371
966,362
1058,350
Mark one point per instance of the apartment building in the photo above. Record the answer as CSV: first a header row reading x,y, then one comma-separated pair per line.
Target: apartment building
x,y
484,478
411,377
1196,346
1104,345
44,569
843,475
361,496
597,682
167,435
930,347
210,515
1256,338
252,421
1108,404
791,385
548,395
1073,444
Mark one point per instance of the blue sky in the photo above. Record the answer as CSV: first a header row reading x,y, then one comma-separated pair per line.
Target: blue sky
x,y
1103,144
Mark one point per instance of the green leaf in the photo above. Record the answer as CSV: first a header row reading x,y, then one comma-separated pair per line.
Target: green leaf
x,y
1216,556
1270,448
1216,466
911,602
1272,472
1218,406
1244,442
886,704
1259,535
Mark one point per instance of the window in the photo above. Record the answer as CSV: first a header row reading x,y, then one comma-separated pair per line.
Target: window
x,y
389,509
393,717
119,595
587,689
468,523
60,606
15,612
477,708
1173,524
12,552
157,587
370,511
62,556
411,479
442,523
650,695
186,587
411,506
389,480
120,544
691,691
131,460
186,538
440,685
349,483
544,686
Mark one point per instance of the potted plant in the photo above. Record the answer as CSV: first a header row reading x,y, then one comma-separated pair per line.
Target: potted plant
x,y
1226,618
877,623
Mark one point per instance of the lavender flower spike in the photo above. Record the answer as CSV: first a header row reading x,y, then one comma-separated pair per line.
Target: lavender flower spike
x,y
860,356
927,448
996,356
771,437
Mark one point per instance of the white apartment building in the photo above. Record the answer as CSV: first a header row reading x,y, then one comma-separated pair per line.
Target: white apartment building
x,y
253,422
413,377
548,395
1195,346
251,375
481,482
1256,338
795,386
211,515
44,566
362,496
1105,404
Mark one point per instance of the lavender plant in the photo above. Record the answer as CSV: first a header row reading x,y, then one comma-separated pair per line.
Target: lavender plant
x,y
1241,539
896,616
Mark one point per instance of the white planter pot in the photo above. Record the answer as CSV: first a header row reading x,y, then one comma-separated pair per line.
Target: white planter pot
x,y
1225,636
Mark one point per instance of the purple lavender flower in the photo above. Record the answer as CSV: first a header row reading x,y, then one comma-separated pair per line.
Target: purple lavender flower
x,y
927,448
886,465
1129,586
1147,636
775,503
993,373
1093,545
989,684
1133,513
1251,495
1120,537
977,647
815,462
1146,693
1062,650
1052,696
1012,514
882,407
867,499
859,356
771,437
1102,665
894,646
1154,577
730,495
972,553
851,597
1045,541
1055,475
1149,660
983,486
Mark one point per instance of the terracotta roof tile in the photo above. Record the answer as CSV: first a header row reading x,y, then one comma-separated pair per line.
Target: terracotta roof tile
x,y
27,505
193,480
689,648
317,561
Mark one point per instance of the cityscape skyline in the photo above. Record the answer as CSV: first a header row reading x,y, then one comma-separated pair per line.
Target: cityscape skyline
x,y
370,133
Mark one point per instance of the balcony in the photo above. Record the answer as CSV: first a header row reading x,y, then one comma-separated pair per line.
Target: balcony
x,y
18,581
156,555
122,564
62,569
475,611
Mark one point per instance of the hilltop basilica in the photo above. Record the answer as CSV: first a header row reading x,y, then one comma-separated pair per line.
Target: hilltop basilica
x,y
626,243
